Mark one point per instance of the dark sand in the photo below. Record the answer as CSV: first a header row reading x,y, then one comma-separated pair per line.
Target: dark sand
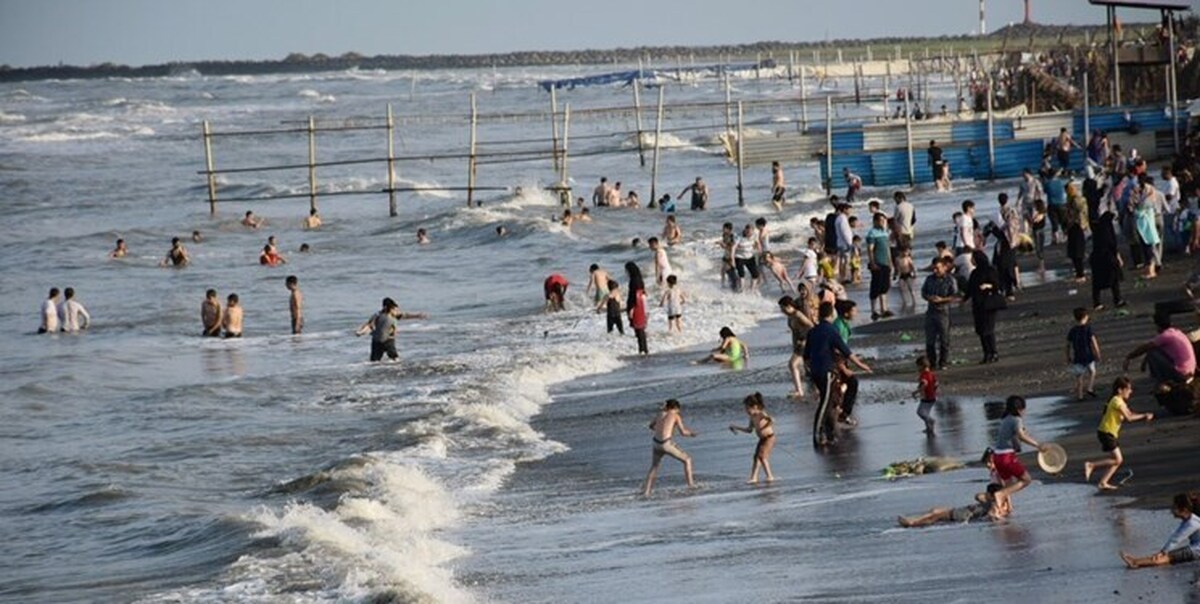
x,y
1031,335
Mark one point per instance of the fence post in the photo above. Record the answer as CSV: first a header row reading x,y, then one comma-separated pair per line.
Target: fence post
x,y
312,161
741,196
803,102
471,154
565,143
728,98
657,136
912,168
991,131
1087,109
637,112
1171,79
828,144
391,162
554,126
208,165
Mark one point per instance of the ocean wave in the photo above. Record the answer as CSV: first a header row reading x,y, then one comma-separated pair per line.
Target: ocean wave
x,y
11,118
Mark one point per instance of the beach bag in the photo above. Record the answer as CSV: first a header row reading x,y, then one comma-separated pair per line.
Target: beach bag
x,y
993,300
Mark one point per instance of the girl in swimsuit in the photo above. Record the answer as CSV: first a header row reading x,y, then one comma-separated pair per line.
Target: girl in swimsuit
x,y
762,425
731,351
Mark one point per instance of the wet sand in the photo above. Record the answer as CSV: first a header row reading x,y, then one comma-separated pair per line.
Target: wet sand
x,y
1031,336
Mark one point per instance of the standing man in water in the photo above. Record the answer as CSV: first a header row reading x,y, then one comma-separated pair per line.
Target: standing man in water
x,y
232,320
778,187
177,256
71,314
313,221
49,322
821,348
600,194
699,194
210,315
295,303
382,327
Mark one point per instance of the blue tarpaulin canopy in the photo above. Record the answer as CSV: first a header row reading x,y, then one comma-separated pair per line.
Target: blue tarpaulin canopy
x,y
627,77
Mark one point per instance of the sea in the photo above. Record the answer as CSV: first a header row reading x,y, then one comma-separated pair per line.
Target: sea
x,y
500,459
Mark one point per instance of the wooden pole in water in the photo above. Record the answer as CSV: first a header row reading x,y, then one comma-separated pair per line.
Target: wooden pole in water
x,y
564,188
803,101
391,162
1173,87
741,195
657,135
728,105
471,152
912,168
553,126
887,79
857,87
208,166
637,113
412,88
1116,64
828,144
791,65
869,56
839,56
991,133
312,163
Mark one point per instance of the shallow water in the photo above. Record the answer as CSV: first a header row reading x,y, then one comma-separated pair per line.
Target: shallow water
x,y
144,463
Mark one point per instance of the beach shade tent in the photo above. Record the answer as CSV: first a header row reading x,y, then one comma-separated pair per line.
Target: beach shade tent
x,y
1168,8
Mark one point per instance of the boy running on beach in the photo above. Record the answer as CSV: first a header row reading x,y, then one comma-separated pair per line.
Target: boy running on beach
x,y
673,299
663,428
927,385
1115,412
1182,546
985,506
1083,352
762,425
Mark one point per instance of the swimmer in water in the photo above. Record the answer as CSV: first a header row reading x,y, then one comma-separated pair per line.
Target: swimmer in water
x,y
177,256
232,321
210,314
120,251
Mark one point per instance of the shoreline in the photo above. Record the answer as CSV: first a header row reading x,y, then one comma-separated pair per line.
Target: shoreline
x,y
1031,335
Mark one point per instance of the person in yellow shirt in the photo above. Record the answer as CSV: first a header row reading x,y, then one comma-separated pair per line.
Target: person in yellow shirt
x,y
1115,412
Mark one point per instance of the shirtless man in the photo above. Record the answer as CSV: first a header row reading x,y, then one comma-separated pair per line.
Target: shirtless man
x,y
671,231
120,251
313,221
177,256
662,266
600,194
663,428
49,322
232,320
210,314
196,237
567,218
612,196
597,283
251,221
699,194
295,303
778,187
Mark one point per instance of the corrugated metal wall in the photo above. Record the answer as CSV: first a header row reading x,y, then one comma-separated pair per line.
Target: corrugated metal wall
x,y
878,152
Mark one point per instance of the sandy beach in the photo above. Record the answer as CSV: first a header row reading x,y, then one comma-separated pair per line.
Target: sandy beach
x,y
1032,337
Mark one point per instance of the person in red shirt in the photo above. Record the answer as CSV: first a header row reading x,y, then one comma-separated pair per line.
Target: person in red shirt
x,y
270,257
636,305
926,392
555,290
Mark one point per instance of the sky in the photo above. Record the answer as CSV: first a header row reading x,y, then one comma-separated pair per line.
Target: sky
x,y
141,32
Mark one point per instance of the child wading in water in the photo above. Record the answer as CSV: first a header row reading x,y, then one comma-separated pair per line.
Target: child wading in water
x,y
1115,412
664,426
762,425
1183,545
926,391
1083,351
673,299
612,307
